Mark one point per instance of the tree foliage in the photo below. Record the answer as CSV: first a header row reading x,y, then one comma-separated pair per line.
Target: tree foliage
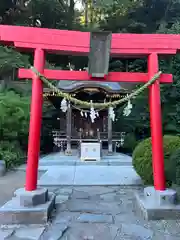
x,y
14,122
11,59
14,117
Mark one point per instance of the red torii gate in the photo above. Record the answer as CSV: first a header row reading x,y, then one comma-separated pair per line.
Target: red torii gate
x,y
42,40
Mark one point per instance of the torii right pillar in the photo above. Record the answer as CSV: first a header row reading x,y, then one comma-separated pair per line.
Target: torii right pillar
x,y
157,202
156,125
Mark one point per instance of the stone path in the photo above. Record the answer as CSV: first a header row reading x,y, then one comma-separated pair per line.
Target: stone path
x,y
70,171
89,176
96,213
90,212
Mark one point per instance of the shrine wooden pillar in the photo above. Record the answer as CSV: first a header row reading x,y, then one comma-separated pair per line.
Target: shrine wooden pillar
x,y
35,123
68,128
110,146
156,125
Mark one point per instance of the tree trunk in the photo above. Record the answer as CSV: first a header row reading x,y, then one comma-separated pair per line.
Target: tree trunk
x,y
71,14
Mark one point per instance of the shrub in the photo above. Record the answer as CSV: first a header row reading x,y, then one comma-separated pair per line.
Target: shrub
x,y
14,118
130,143
11,153
175,158
142,158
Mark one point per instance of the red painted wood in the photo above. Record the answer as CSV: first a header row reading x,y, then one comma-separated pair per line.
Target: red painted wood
x,y
78,42
83,51
35,124
83,76
82,39
156,126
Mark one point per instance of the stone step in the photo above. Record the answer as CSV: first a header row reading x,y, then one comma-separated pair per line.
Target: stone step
x,y
89,176
84,163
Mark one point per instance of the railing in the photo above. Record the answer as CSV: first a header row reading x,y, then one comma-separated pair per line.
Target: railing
x,y
60,138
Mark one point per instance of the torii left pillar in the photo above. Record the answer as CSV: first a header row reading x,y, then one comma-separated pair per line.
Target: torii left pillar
x,y
35,123
31,205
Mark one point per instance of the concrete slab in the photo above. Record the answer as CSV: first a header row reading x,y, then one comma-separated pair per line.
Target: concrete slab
x,y
153,211
136,231
116,156
13,213
55,232
92,163
94,231
6,233
59,157
32,233
106,175
57,163
69,170
95,218
118,162
66,217
90,176
56,176
61,198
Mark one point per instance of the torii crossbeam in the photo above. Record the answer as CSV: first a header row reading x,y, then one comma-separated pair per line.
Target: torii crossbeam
x,y
77,43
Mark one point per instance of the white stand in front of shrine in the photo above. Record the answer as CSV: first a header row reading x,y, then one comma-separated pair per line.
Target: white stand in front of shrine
x,y
90,151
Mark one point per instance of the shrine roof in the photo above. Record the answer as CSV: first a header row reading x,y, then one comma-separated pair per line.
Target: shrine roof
x,y
70,86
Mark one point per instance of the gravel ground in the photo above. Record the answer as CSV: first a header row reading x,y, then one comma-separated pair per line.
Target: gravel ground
x,y
9,183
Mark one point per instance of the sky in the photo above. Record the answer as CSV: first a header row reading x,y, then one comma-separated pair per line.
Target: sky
x,y
78,4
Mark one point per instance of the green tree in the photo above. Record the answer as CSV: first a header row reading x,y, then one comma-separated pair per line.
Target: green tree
x,y
171,93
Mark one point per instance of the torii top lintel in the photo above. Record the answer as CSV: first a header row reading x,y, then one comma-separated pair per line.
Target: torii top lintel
x,y
76,42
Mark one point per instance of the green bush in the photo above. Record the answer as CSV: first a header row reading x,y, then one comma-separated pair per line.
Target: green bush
x,y
11,153
14,118
130,143
14,122
175,158
142,158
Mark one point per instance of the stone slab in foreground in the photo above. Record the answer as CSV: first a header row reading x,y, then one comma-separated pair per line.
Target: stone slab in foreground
x,y
20,210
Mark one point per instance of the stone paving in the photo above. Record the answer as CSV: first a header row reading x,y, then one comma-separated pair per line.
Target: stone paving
x,y
85,210
89,176
95,213
64,170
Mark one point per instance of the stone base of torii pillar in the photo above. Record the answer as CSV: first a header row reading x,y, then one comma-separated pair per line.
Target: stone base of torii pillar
x,y
157,205
28,207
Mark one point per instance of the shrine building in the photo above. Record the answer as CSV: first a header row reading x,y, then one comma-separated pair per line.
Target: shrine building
x,y
75,125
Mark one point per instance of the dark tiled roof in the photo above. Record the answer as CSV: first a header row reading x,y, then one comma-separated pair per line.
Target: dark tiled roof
x,y
72,85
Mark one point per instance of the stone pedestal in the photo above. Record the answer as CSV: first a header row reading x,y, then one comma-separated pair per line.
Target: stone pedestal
x,y
28,207
156,205
90,151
